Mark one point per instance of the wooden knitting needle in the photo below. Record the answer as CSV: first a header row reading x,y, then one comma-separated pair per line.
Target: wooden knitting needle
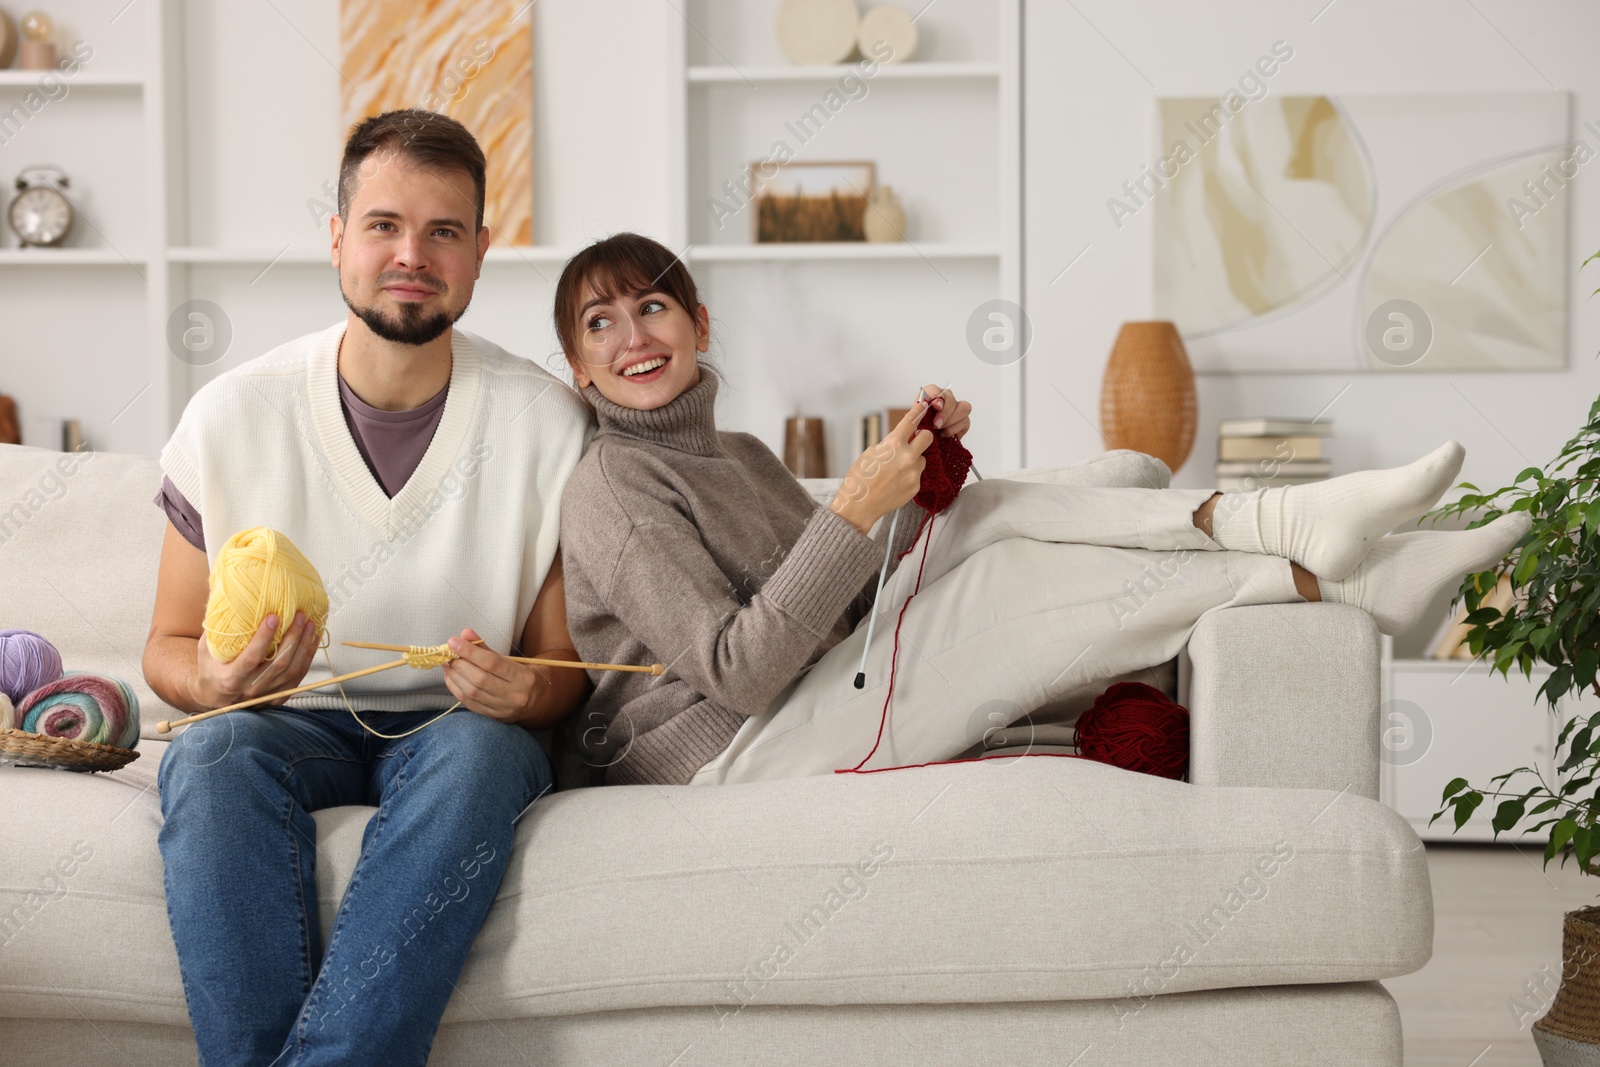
x,y
163,727
653,668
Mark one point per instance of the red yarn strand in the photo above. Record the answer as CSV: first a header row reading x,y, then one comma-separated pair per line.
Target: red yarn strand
x,y
883,718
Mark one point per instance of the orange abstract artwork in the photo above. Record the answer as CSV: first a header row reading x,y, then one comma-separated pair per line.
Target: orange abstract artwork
x,y
469,59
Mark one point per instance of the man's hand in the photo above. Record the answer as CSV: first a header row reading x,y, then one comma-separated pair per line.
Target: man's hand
x,y
250,674
491,684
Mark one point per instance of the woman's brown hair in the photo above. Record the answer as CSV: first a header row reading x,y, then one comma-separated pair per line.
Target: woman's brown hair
x,y
624,264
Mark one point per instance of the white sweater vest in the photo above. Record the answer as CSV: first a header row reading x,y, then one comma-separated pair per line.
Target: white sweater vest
x,y
467,541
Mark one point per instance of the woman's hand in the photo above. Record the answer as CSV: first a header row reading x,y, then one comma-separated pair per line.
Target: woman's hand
x,y
249,675
954,418
491,684
885,476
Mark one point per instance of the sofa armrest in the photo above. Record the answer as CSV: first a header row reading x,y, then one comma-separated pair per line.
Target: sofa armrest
x,y
1283,695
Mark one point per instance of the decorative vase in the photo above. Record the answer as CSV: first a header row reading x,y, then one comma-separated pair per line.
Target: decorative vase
x,y
1147,401
38,51
805,449
888,33
817,31
1568,1035
885,219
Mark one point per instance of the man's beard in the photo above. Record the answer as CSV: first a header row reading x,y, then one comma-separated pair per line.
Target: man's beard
x,y
413,327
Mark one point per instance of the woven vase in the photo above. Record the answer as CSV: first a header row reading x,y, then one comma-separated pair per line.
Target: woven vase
x,y
1147,402
805,449
1568,1035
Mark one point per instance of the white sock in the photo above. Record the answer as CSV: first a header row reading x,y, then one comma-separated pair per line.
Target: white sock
x,y
1403,571
1327,527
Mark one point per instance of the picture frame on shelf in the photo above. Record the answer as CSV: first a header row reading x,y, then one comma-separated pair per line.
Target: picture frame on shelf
x,y
812,201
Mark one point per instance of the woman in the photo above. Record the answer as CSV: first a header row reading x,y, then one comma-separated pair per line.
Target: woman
x,y
697,549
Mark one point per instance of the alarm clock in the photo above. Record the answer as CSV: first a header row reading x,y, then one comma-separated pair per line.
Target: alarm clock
x,y
41,215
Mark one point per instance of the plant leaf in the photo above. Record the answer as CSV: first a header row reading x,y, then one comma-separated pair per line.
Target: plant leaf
x,y
1560,836
1506,816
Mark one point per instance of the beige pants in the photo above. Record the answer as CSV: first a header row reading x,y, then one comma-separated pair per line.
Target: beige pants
x,y
1029,591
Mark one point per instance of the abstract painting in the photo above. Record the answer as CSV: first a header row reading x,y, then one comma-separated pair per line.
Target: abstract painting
x,y
1380,232
469,59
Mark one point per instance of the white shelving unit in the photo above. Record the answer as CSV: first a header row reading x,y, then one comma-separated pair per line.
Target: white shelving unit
x,y
29,79
757,76
304,256
757,253
165,215
944,129
1446,719
103,124
192,182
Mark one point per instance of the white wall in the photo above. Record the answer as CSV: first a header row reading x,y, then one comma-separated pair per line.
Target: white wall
x,y
1092,70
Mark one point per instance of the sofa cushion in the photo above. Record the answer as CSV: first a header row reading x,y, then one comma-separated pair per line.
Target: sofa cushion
x,y
80,547
1010,880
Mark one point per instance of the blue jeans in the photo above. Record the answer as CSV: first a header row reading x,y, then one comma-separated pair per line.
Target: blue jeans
x,y
239,850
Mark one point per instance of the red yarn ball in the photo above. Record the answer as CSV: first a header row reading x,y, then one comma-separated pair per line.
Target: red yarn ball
x,y
948,462
1138,728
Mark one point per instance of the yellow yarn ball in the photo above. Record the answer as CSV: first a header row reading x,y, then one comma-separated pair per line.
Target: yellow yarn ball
x,y
260,572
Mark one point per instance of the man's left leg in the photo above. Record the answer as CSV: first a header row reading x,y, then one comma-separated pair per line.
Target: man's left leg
x,y
431,862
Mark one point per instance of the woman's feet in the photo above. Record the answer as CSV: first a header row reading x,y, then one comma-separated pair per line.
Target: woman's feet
x,y
1403,571
1328,527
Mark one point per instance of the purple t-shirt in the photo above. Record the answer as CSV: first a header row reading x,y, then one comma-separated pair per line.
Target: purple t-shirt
x,y
392,443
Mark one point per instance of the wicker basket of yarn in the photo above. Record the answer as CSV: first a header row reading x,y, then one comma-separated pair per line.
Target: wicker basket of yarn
x,y
72,720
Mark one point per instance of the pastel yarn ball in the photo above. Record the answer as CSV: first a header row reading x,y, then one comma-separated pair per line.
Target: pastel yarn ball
x,y
259,572
83,707
27,661
8,713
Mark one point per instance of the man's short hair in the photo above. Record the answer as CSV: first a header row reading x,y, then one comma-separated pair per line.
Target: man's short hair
x,y
426,138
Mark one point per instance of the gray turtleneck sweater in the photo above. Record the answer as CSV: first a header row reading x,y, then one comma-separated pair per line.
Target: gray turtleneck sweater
x,y
697,549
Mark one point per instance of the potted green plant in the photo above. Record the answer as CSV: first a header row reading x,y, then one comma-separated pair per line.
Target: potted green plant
x,y
1554,619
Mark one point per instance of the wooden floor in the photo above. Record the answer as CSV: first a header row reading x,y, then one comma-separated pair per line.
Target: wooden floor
x,y
1497,932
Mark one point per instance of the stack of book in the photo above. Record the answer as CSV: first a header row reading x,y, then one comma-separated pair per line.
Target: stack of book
x,y
58,435
1257,452
874,425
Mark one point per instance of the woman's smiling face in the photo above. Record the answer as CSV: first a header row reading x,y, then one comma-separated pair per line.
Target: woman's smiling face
x,y
640,349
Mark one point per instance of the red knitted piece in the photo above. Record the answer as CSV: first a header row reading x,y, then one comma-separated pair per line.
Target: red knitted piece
x,y
948,462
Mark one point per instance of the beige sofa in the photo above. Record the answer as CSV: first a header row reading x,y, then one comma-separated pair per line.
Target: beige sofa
x,y
1026,911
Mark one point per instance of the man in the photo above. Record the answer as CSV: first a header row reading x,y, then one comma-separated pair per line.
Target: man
x,y
419,468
